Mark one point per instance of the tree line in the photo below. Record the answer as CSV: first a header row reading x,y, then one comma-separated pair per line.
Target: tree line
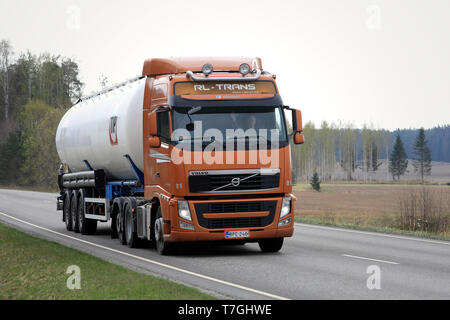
x,y
438,139
35,92
337,151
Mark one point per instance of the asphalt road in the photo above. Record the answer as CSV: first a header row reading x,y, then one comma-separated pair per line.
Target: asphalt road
x,y
317,263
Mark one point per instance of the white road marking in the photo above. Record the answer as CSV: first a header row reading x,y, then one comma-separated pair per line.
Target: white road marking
x,y
273,296
371,233
370,259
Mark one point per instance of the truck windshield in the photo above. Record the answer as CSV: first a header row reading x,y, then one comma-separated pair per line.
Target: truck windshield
x,y
223,123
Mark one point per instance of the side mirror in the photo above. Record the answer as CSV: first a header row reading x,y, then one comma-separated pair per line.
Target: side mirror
x,y
297,125
153,123
154,142
299,138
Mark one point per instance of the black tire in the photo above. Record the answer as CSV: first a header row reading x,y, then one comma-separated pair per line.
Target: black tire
x,y
130,236
163,247
120,227
66,212
85,225
271,245
74,213
114,234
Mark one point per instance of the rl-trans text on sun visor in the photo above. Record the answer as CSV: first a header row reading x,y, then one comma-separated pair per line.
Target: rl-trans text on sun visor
x,y
224,88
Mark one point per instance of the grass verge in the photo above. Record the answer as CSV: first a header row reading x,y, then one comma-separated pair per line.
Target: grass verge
x,y
32,268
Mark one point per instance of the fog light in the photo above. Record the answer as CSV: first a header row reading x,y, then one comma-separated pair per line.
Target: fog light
x,y
184,225
183,210
285,222
244,69
207,69
285,207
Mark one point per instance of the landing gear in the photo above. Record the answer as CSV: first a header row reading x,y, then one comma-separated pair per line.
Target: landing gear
x,y
86,226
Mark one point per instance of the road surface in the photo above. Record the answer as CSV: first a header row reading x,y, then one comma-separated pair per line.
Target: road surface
x,y
316,263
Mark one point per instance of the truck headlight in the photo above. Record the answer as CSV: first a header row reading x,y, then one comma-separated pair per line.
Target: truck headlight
x,y
285,207
183,210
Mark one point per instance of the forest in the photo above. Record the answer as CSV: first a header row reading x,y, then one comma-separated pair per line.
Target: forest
x,y
36,91
337,150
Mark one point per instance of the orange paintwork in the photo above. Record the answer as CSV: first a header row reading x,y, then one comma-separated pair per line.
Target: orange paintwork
x,y
168,182
157,66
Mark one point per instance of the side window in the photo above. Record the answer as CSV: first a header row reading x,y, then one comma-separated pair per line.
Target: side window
x,y
164,126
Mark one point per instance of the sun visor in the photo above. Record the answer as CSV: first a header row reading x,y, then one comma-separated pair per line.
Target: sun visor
x,y
178,101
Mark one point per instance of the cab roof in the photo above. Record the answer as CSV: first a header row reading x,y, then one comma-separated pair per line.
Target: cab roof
x,y
159,66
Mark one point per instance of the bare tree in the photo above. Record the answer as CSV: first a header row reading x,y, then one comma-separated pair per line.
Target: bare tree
x,y
5,53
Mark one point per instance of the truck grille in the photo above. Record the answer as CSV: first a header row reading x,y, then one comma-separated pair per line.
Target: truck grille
x,y
234,182
233,207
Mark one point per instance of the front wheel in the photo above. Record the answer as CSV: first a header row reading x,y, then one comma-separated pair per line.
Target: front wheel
x,y
271,245
163,247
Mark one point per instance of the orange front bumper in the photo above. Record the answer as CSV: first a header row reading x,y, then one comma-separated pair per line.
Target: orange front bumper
x,y
213,235
200,233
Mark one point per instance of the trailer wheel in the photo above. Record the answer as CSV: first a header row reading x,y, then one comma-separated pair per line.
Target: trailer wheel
x,y
74,213
163,247
130,235
66,212
271,245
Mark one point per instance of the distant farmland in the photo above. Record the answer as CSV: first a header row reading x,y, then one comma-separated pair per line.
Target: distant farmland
x,y
374,206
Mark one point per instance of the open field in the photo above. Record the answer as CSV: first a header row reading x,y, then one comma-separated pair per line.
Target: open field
x,y
368,206
31,268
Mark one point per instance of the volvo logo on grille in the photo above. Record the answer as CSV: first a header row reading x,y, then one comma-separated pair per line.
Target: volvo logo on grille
x,y
236,182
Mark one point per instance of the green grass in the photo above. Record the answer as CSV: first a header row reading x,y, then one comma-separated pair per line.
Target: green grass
x,y
372,227
32,268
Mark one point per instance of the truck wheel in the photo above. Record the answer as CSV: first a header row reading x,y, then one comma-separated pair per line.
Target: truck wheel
x,y
66,212
130,235
120,227
162,246
271,245
74,213
114,226
86,226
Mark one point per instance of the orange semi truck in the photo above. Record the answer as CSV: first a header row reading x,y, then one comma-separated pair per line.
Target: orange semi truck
x,y
194,149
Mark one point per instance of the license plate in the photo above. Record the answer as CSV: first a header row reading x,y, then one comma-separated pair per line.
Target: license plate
x,y
237,234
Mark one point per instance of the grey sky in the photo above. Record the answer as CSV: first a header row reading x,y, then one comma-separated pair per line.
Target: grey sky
x,y
379,62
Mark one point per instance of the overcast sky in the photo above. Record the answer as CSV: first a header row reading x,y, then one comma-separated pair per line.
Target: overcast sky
x,y
380,62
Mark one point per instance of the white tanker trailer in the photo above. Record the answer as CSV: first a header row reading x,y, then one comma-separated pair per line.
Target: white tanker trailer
x,y
87,136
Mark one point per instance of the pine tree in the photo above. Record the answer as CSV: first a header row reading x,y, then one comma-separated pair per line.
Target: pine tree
x,y
398,160
315,182
375,154
422,155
